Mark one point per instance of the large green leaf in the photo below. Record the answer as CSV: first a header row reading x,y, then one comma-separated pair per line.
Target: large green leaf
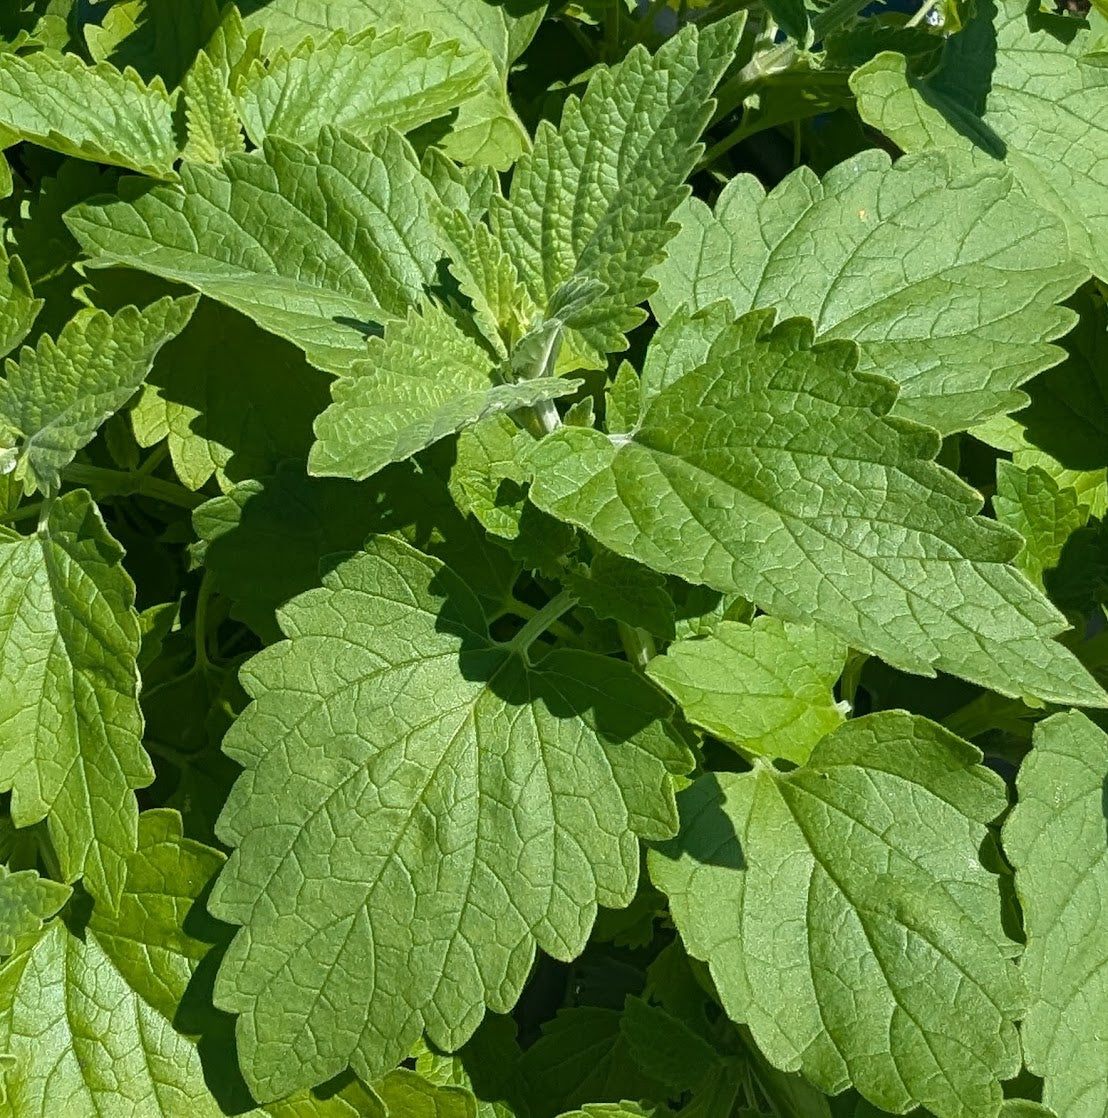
x,y
360,83
487,129
424,380
1017,85
1055,838
946,277
766,687
70,724
594,197
766,466
26,902
55,396
847,919
410,826
315,245
92,112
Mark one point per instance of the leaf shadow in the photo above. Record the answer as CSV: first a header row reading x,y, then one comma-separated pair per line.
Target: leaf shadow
x,y
707,834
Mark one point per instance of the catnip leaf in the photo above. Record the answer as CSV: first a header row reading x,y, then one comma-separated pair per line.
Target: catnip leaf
x,y
611,1110
1055,840
1010,87
770,468
675,1054
55,396
622,590
1045,514
847,919
424,380
359,83
70,725
945,276
18,306
487,478
211,115
92,112
765,687
27,901
316,245
441,801
595,195
232,400
487,129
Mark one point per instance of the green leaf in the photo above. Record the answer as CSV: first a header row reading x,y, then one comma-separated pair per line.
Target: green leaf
x,y
92,112
594,197
765,687
487,129
70,725
56,396
263,542
232,400
1016,85
944,275
847,919
88,1018
316,245
582,1054
211,115
27,901
360,83
616,588
1055,840
405,1093
675,1054
766,466
449,768
424,380
1046,515
18,305
157,38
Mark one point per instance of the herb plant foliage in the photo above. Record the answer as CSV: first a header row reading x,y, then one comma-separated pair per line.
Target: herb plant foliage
x,y
552,559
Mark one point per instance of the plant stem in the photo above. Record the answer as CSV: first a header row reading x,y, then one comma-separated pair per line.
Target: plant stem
x,y
200,622
542,620
24,513
120,484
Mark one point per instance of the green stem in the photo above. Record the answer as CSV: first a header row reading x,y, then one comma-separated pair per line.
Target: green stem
x,y
117,483
200,622
524,610
26,512
153,460
638,644
542,620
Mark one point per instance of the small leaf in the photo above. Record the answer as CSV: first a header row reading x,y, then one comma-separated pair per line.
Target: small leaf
x,y
18,305
359,83
1055,839
70,725
769,467
765,687
424,380
56,396
211,118
442,799
316,246
847,919
27,901
92,112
